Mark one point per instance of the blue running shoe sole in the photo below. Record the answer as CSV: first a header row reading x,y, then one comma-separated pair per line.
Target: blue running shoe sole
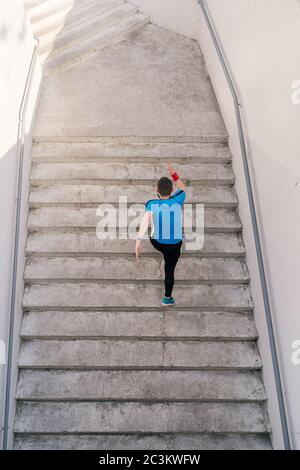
x,y
168,302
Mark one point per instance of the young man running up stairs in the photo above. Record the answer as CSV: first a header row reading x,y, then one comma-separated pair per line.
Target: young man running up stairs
x,y
165,213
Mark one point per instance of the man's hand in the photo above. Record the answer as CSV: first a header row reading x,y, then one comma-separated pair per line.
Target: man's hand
x,y
138,248
143,229
171,169
178,182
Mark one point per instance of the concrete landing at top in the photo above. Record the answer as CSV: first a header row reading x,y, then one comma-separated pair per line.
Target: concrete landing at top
x,y
153,83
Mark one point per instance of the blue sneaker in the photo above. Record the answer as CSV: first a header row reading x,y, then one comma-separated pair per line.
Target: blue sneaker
x,y
168,301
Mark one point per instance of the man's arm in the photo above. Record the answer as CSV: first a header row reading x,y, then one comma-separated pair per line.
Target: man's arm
x,y
178,182
143,229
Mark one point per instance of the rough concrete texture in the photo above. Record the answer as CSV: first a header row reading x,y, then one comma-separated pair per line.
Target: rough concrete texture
x,y
215,219
205,172
67,18
102,365
95,194
157,324
140,417
115,268
69,31
80,243
138,87
52,44
78,151
166,385
74,54
134,295
135,353
143,441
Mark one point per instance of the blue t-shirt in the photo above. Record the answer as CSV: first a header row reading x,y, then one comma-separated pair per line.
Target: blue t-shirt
x,y
167,217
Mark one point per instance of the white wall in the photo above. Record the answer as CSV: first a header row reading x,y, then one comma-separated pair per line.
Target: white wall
x,y
181,16
261,40
16,47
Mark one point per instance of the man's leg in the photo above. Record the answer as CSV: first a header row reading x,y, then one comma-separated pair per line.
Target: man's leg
x,y
171,257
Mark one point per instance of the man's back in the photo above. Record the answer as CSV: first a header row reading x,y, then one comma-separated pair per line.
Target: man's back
x,y
167,217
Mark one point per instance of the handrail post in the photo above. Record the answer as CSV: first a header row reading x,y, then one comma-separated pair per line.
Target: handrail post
x,y
259,254
20,155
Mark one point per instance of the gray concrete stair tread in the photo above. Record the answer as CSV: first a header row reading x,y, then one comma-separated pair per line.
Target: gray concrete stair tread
x,y
150,385
140,417
51,218
158,324
149,268
67,18
72,243
215,136
73,151
125,295
162,441
48,7
138,354
89,171
55,43
31,3
211,196
91,45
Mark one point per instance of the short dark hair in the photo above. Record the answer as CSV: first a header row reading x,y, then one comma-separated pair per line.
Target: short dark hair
x,y
164,186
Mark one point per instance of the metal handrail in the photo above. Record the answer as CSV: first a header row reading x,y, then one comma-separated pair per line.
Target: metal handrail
x,y
260,260
20,154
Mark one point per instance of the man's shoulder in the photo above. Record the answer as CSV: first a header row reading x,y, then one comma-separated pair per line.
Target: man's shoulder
x,y
179,196
178,192
151,202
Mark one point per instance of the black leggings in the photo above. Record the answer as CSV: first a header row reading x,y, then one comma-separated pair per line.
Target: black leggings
x,y
171,254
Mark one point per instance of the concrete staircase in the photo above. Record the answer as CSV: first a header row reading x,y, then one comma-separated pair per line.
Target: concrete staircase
x,y
69,31
102,365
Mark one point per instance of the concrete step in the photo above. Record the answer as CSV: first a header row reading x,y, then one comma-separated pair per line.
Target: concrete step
x,y
150,385
96,417
32,3
49,7
121,295
91,45
138,354
209,173
91,151
143,325
52,218
201,138
66,19
163,441
86,244
148,268
91,194
41,9
54,43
